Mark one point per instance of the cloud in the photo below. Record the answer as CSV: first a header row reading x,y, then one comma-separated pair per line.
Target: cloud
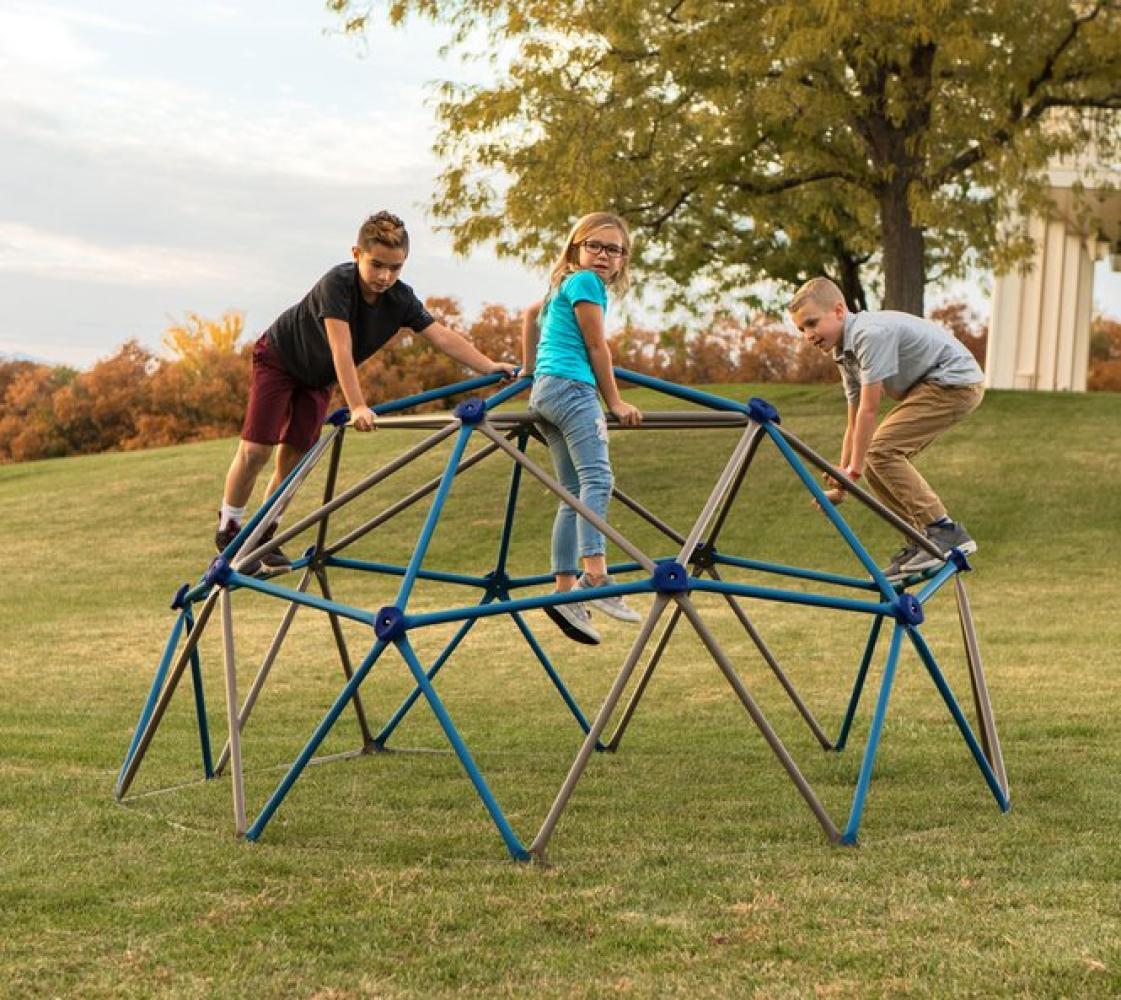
x,y
34,251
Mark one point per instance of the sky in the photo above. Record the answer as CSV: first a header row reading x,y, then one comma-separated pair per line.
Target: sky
x,y
158,159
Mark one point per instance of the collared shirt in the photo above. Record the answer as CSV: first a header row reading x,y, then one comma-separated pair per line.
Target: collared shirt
x,y
900,350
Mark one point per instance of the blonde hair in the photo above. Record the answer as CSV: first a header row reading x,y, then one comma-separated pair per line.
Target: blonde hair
x,y
568,261
384,228
820,291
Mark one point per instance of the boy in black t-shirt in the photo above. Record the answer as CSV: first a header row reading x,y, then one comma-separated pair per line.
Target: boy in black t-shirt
x,y
352,311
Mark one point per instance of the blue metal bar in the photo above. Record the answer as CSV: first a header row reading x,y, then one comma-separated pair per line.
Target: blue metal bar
x,y
313,453
554,676
154,691
513,844
200,701
682,392
390,570
959,717
511,507
403,709
468,385
615,569
300,597
794,571
849,836
500,397
789,596
525,604
830,511
433,518
858,686
317,737
945,573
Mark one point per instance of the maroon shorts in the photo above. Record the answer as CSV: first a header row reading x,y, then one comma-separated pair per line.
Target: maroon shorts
x,y
281,410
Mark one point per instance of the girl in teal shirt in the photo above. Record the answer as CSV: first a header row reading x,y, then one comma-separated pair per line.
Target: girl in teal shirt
x,y
564,347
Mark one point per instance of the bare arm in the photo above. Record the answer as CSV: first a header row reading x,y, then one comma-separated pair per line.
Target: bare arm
x,y
459,348
530,334
862,425
589,316
338,338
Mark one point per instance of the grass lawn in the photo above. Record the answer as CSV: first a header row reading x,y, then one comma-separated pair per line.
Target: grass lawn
x,y
686,864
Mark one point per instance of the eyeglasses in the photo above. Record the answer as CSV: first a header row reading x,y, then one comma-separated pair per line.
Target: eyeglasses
x,y
595,248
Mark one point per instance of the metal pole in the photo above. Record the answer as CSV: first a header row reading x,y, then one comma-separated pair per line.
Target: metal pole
x,y
865,778
263,672
575,503
537,848
858,685
758,718
980,688
231,713
780,674
361,487
317,737
200,702
405,502
513,844
959,717
164,699
640,687
344,657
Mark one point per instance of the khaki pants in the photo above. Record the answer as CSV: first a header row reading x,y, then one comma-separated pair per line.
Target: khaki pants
x,y
926,412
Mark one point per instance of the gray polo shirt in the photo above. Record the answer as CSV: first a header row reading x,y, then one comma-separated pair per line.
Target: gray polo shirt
x,y
900,350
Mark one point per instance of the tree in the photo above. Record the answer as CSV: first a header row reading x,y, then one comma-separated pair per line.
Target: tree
x,y
754,138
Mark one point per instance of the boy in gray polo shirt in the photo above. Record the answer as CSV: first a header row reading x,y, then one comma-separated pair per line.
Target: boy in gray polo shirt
x,y
936,381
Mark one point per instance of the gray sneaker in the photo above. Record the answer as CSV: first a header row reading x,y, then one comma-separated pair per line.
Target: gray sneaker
x,y
953,536
894,569
614,607
573,620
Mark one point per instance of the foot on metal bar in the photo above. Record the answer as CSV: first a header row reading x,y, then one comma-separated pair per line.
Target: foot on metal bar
x,y
574,621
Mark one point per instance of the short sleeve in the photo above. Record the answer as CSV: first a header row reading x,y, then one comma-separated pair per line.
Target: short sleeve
x,y
416,317
335,295
877,352
585,286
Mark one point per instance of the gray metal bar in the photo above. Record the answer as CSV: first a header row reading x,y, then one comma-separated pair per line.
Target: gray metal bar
x,y
758,718
779,673
250,551
991,741
576,504
731,468
587,748
263,672
866,498
652,519
344,659
506,419
407,501
640,687
164,699
357,489
231,714
733,491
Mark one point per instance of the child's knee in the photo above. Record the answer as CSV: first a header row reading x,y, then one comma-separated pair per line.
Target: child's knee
x,y
254,455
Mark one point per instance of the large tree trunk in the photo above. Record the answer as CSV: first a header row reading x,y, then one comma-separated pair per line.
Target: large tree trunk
x,y
904,267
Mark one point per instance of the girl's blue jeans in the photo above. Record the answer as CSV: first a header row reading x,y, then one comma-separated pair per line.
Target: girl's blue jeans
x,y
571,418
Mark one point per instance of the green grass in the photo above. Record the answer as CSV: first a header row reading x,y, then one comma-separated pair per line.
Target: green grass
x,y
686,865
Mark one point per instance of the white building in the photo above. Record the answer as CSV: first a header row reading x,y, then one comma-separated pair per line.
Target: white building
x,y
1040,332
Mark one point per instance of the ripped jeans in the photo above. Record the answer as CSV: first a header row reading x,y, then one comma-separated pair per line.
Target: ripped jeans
x,y
572,420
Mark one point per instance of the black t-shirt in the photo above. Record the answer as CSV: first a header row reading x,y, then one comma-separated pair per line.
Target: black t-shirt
x,y
299,334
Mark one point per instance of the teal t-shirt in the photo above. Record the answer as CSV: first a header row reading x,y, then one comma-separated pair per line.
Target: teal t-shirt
x,y
560,348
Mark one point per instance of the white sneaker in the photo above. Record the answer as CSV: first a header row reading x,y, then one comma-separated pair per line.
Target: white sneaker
x,y
574,621
614,607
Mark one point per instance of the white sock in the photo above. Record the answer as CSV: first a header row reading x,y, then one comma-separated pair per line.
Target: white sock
x,y
228,514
